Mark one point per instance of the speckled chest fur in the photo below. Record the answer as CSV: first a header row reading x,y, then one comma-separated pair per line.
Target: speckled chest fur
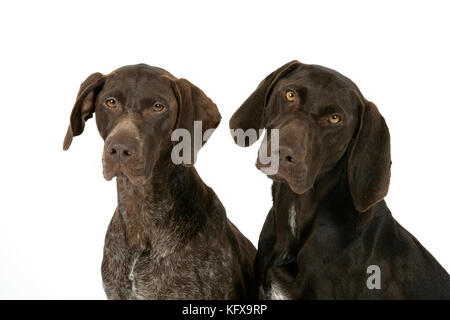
x,y
156,250
185,274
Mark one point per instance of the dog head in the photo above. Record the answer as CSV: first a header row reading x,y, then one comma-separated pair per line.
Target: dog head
x,y
137,109
321,116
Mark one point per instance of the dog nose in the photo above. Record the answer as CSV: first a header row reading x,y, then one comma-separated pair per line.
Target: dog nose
x,y
119,152
286,155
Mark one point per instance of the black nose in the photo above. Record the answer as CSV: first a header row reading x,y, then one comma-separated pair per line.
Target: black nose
x,y
119,152
287,156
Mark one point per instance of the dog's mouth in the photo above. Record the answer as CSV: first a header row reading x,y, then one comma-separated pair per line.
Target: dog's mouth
x,y
276,177
121,172
283,176
294,178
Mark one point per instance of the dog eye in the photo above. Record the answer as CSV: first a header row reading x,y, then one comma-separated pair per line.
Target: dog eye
x,y
290,95
111,103
333,119
158,107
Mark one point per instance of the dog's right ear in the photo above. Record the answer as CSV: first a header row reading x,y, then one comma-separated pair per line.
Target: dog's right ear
x,y
84,106
251,113
194,105
369,163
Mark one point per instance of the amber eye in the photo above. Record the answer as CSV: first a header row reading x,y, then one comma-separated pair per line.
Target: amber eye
x,y
290,96
111,103
158,107
333,119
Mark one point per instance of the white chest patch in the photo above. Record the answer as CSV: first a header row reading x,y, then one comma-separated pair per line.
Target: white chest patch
x,y
131,274
276,293
292,218
131,277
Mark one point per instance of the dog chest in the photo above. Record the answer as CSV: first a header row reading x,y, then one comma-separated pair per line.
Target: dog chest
x,y
182,275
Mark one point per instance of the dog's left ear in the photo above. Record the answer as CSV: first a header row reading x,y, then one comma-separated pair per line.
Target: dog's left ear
x,y
369,163
194,105
84,106
250,114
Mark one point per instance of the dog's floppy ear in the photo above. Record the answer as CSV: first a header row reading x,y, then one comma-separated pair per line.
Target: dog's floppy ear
x,y
250,115
194,105
369,163
84,106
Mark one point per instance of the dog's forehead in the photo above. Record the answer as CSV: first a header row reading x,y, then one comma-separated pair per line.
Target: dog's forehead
x,y
324,84
139,79
318,77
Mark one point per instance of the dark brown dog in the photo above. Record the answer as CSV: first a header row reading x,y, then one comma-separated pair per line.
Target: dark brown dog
x,y
329,234
169,237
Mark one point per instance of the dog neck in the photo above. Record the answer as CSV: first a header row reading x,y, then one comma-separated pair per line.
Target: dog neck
x,y
156,215
298,212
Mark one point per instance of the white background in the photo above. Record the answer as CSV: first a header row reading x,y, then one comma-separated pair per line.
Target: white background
x,y
55,206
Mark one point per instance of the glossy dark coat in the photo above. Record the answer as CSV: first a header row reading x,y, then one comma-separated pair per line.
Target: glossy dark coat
x,y
329,222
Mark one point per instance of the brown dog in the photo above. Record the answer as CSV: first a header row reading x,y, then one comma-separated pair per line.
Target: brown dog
x,y
169,237
329,234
